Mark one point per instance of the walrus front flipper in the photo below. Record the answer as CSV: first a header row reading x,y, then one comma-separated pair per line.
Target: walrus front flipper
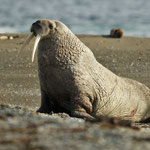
x,y
45,104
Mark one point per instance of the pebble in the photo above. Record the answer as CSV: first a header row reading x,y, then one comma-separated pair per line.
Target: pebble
x,y
11,37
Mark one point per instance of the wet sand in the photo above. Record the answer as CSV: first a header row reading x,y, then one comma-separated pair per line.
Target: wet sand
x,y
22,128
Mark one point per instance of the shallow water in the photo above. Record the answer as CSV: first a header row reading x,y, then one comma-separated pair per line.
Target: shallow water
x,y
84,17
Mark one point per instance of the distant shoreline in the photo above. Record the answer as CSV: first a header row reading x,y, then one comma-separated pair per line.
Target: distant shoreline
x,y
80,35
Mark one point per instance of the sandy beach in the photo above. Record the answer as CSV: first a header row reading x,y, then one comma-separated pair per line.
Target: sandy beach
x,y
19,86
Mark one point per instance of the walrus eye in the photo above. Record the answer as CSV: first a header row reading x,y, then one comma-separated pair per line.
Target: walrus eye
x,y
50,26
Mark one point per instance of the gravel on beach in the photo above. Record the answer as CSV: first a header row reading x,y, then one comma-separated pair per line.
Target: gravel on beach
x,y
23,129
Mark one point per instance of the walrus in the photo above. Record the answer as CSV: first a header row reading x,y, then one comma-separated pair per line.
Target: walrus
x,y
116,33
74,82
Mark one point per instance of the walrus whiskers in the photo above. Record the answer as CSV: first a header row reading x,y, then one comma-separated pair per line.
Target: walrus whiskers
x,y
27,41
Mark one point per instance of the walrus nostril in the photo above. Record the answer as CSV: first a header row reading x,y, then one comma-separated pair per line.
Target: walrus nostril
x,y
35,27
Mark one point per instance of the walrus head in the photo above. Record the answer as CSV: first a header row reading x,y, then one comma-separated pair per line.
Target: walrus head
x,y
43,29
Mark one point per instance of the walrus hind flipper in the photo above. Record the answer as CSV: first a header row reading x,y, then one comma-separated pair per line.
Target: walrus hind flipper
x,y
145,121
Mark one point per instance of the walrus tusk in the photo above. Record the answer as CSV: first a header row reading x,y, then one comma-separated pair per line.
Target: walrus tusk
x,y
35,46
28,39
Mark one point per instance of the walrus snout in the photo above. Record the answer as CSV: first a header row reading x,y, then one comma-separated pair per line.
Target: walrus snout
x,y
36,28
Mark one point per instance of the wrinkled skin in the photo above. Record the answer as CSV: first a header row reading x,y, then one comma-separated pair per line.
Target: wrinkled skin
x,y
72,80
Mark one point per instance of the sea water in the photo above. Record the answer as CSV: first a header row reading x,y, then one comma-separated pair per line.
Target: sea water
x,y
81,16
